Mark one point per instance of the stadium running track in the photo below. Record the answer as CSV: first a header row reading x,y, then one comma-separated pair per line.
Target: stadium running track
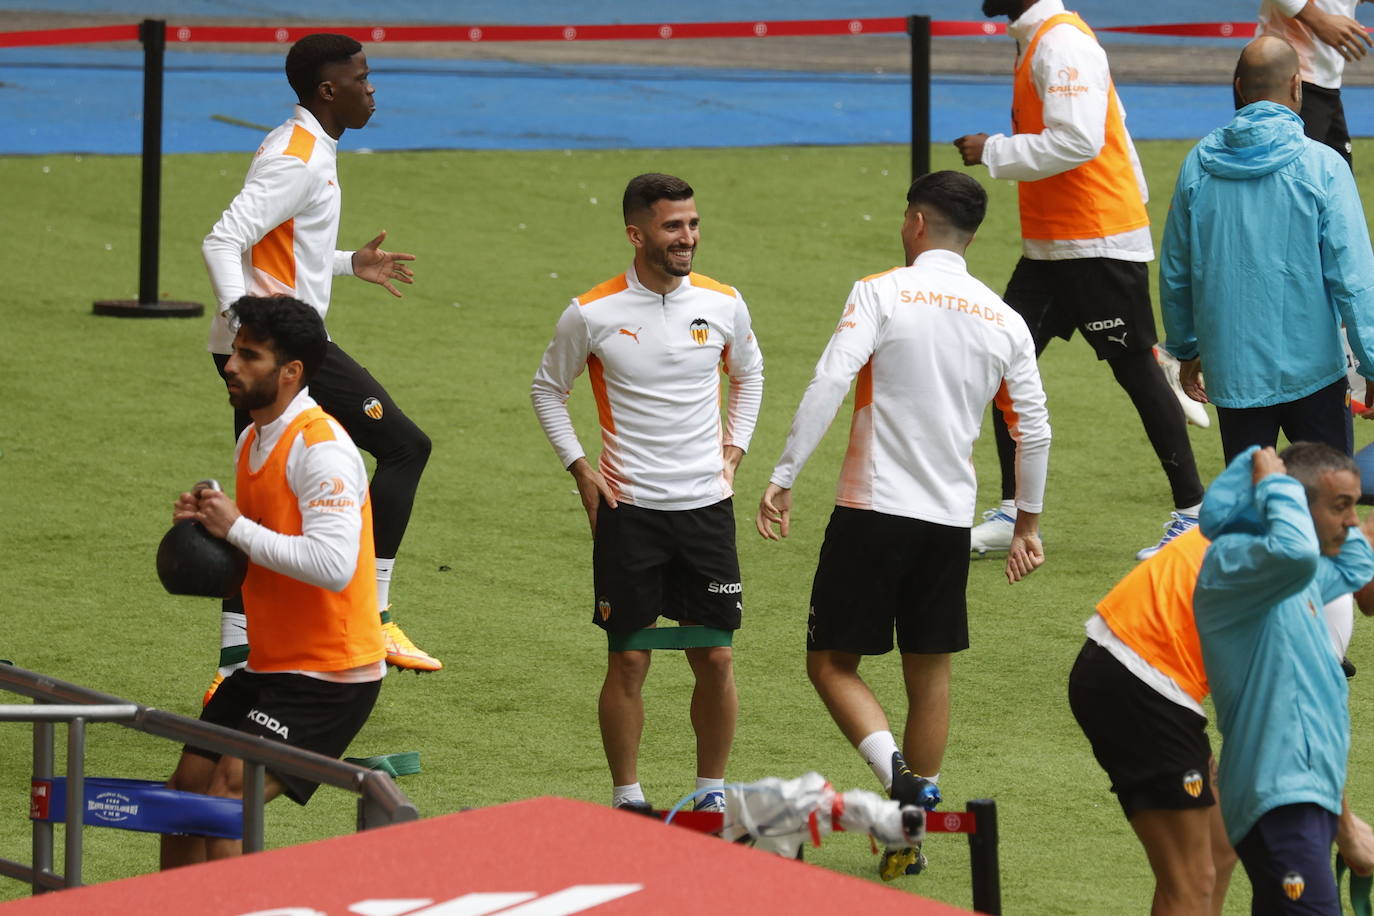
x,y
79,99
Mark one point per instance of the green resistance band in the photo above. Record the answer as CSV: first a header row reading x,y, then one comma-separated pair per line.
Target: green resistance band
x,y
1360,887
402,764
671,638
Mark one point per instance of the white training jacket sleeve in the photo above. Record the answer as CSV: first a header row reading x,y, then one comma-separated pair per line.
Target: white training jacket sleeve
x,y
275,192
840,362
343,264
325,553
744,364
563,362
1022,402
1075,120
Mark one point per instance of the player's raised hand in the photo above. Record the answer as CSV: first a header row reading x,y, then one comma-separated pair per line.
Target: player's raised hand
x,y
374,265
970,147
775,508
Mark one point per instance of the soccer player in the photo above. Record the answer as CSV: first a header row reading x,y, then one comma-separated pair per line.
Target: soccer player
x,y
1326,36
653,341
930,347
277,238
1137,690
1085,237
1284,541
302,515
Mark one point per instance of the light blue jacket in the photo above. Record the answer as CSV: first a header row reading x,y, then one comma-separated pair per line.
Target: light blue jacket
x,y
1265,253
1277,684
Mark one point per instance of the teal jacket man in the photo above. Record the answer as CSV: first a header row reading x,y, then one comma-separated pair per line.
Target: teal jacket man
x,y
1265,254
1276,681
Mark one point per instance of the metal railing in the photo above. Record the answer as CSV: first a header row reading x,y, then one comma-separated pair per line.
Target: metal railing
x,y
380,802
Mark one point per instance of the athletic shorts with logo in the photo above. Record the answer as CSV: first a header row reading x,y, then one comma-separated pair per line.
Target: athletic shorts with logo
x,y
680,564
878,572
1155,751
304,712
1287,857
1105,299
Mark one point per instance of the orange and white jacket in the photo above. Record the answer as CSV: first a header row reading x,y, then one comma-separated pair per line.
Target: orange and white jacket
x,y
329,483
654,363
931,346
278,235
1068,74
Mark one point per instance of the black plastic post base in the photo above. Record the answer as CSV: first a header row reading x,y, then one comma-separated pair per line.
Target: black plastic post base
x,y
132,308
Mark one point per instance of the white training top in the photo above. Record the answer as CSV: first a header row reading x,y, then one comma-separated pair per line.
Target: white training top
x,y
1075,131
931,346
278,235
654,364
1318,62
325,553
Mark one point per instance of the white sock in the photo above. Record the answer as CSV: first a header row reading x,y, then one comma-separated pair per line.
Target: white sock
x,y
1191,511
384,566
706,782
877,750
1008,506
233,634
622,794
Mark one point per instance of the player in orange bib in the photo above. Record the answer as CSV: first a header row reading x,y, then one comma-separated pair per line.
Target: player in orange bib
x,y
1085,239
301,513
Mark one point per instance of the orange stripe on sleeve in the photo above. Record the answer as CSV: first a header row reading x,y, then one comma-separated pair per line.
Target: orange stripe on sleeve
x,y
882,273
301,145
1004,404
597,374
275,254
701,281
602,290
863,388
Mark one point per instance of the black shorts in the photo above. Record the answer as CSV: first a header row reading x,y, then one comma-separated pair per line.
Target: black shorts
x,y
350,394
877,571
1155,751
304,712
1323,118
678,564
1105,299
1287,856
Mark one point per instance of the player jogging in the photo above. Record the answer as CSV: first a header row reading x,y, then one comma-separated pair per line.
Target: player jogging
x,y
930,347
653,341
277,238
301,513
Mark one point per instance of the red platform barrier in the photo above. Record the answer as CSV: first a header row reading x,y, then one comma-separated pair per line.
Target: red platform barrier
x,y
545,856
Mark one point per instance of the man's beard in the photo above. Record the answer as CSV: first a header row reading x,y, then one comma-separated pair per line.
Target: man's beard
x,y
255,398
995,8
671,268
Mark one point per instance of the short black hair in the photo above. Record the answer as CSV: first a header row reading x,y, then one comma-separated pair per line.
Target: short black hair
x,y
306,60
957,197
293,329
645,190
1309,462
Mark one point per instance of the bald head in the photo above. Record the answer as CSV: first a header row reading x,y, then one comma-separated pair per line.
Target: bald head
x,y
1268,71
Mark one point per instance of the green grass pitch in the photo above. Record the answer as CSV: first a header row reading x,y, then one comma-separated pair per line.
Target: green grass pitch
x,y
105,420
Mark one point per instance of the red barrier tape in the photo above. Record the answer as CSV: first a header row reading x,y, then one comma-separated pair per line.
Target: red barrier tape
x,y
185,34
68,36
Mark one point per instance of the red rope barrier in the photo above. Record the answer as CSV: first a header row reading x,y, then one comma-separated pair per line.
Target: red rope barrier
x,y
186,34
68,36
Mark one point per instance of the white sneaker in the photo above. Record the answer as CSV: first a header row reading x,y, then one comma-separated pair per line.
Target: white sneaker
x,y
1176,525
1193,412
993,534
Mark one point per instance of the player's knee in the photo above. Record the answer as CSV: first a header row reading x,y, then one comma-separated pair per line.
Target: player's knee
x,y
627,668
823,667
716,664
1188,883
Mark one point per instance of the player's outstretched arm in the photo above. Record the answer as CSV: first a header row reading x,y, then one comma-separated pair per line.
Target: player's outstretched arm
x,y
1355,841
1344,34
374,265
592,487
1026,553
775,508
